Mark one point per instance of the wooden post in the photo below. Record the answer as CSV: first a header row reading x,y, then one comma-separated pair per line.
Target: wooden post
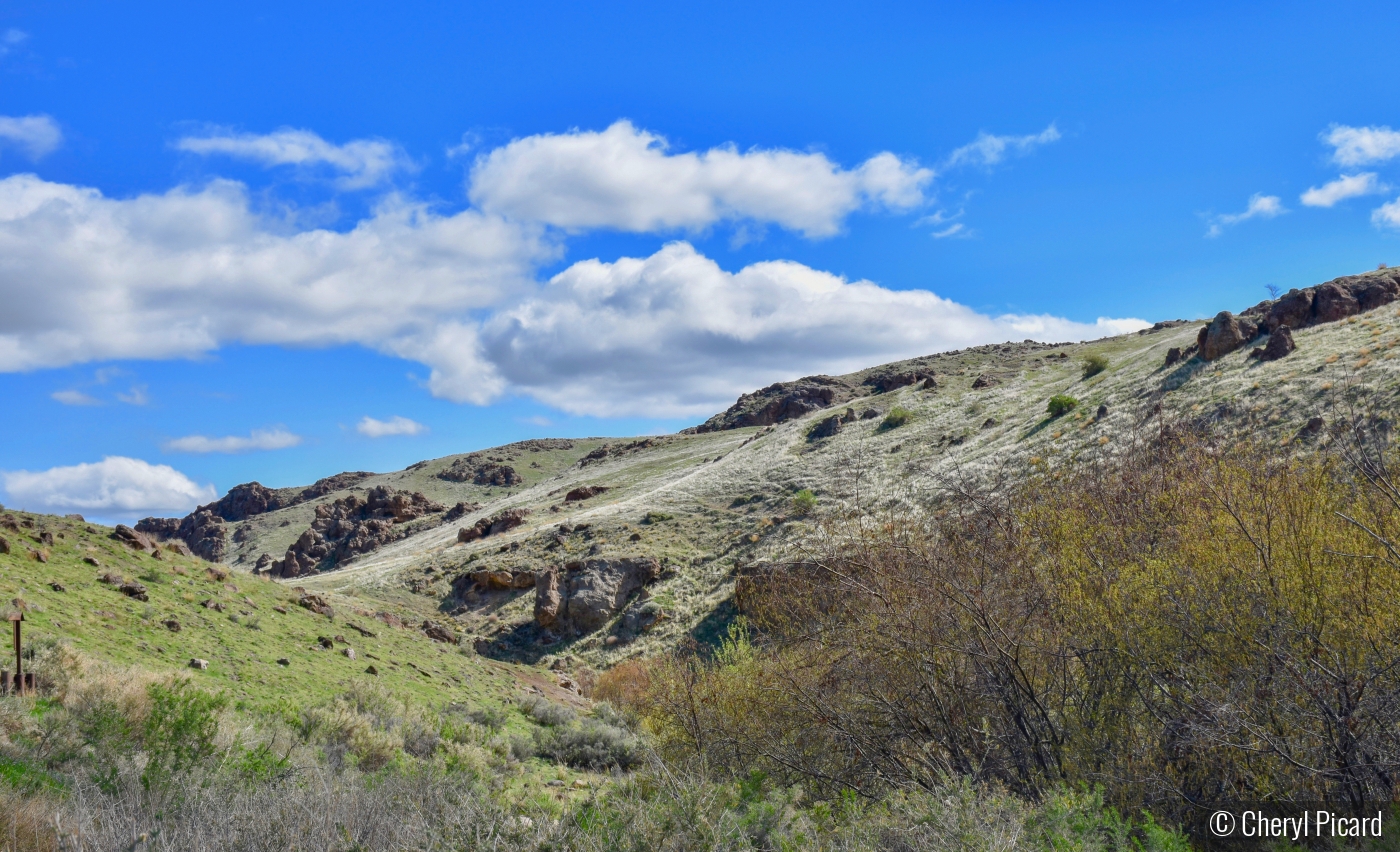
x,y
15,619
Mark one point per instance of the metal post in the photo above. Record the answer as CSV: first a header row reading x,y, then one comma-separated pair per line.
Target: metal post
x,y
18,661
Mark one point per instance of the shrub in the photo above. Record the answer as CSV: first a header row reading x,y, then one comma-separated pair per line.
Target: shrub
x,y
1094,363
656,517
803,502
1061,404
897,417
590,744
546,712
179,732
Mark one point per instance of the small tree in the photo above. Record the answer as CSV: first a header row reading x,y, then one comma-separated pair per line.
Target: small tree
x,y
803,502
1061,404
1094,364
896,418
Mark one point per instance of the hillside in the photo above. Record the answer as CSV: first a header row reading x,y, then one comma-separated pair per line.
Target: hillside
x,y
663,523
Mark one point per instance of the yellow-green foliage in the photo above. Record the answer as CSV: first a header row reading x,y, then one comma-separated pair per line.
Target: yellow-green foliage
x,y
1186,622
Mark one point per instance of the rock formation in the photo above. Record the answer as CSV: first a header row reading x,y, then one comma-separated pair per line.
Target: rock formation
x,y
582,597
479,471
352,526
781,402
498,523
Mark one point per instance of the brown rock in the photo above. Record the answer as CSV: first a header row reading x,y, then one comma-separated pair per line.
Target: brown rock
x,y
1173,355
172,625
1293,309
1279,345
316,604
4,544
494,525
1224,335
439,633
133,539
827,427
134,590
548,597
57,587
584,492
984,381
1334,302
92,560
197,663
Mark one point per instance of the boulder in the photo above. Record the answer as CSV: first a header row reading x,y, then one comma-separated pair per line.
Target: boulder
x,y
1293,309
984,381
134,590
4,544
316,604
263,564
584,492
459,511
1173,355
439,633
197,663
549,597
172,625
494,525
590,592
827,427
1224,335
133,539
781,402
1279,345
1333,302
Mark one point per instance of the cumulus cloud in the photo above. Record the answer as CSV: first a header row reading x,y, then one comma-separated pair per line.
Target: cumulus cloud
x,y
260,439
372,428
675,335
1260,207
1387,215
1344,187
1358,146
35,135
87,278
91,278
117,484
989,149
361,163
625,178
74,397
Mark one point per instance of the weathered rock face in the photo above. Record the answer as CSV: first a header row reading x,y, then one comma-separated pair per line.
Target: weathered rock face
x,y
1224,335
459,511
480,471
352,526
339,482
499,523
830,426
589,593
135,539
1335,300
781,402
583,492
886,382
1279,345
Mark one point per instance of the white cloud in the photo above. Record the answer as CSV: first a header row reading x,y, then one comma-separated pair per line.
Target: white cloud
x,y
988,149
361,162
137,396
89,278
675,335
371,428
11,39
1358,146
1344,187
625,178
1387,215
1260,207
116,484
74,397
35,135
260,439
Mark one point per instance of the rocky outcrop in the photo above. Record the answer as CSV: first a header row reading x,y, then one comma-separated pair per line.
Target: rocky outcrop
x,y
339,482
781,402
489,580
829,427
1335,300
888,381
494,525
479,471
459,511
585,595
583,492
1279,345
352,526
136,540
1224,335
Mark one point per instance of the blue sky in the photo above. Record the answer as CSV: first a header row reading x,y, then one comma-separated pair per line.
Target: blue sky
x,y
231,233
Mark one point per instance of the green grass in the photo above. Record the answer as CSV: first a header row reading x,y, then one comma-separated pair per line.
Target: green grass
x,y
243,643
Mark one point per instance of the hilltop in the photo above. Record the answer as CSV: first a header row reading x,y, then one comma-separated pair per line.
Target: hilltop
x,y
582,552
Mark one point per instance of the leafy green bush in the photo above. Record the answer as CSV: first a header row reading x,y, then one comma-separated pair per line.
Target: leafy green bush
x,y
803,502
657,517
1094,363
590,744
1061,404
180,730
896,418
